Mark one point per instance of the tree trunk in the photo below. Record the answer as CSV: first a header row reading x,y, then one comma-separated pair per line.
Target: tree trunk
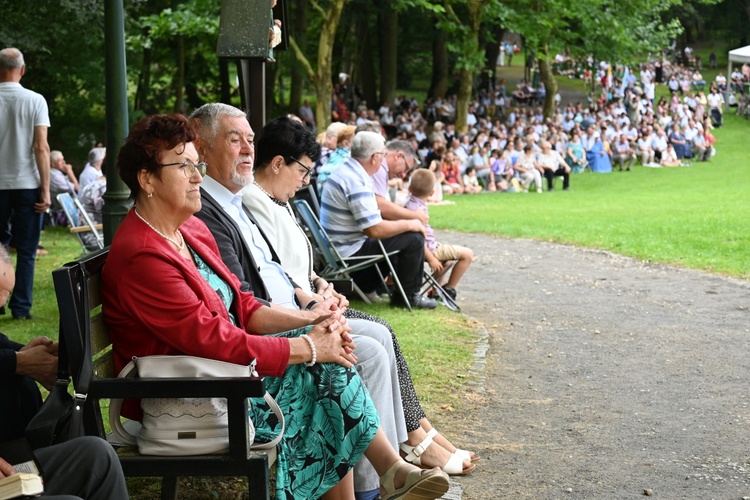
x,y
298,26
364,66
321,78
323,82
388,53
465,86
144,82
179,103
466,75
439,84
550,84
491,53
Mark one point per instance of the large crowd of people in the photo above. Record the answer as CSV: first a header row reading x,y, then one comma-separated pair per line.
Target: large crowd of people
x,y
509,145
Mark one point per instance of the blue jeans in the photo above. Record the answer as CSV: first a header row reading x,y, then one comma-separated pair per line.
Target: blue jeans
x,y
19,221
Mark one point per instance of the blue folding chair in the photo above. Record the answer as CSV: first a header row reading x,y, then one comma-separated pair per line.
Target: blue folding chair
x,y
72,209
338,267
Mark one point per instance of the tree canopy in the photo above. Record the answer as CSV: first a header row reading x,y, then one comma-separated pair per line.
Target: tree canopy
x,y
386,48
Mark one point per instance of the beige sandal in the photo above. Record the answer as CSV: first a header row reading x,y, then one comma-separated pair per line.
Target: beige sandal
x,y
419,485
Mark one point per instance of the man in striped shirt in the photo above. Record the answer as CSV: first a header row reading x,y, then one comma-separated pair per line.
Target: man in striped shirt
x,y
350,215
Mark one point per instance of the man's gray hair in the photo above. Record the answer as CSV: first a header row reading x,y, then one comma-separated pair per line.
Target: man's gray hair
x,y
369,126
96,155
365,144
11,59
55,155
206,119
402,147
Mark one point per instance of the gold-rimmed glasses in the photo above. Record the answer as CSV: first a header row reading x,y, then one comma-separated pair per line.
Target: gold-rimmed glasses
x,y
188,167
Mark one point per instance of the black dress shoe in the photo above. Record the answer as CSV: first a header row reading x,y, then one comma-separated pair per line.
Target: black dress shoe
x,y
415,301
419,302
23,316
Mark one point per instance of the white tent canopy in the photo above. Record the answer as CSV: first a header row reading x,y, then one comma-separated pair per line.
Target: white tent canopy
x,y
738,56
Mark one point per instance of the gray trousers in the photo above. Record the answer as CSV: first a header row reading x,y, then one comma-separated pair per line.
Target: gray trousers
x,y
85,467
376,365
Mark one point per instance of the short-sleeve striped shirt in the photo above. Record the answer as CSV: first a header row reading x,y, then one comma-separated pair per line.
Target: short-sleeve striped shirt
x,y
348,207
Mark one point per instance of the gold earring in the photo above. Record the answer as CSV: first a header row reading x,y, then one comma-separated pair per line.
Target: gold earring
x,y
150,195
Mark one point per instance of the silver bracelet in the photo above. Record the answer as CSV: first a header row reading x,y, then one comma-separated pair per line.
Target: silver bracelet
x,y
312,347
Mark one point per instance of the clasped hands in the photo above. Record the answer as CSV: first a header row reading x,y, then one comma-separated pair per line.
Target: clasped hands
x,y
332,334
38,360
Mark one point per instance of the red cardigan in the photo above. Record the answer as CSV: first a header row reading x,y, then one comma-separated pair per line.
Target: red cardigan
x,y
156,302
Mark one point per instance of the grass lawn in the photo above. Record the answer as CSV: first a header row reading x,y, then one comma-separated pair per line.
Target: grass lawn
x,y
696,217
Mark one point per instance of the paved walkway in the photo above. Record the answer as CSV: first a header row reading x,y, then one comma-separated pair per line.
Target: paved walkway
x,y
605,377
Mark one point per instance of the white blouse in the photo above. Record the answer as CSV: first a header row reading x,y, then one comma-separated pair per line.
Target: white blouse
x,y
286,237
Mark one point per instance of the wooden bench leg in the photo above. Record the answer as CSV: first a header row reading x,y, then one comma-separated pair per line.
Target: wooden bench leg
x,y
169,488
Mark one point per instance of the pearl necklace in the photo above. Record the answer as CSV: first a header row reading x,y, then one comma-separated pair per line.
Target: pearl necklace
x,y
277,201
179,246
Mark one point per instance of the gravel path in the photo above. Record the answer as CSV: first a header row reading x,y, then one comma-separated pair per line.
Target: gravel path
x,y
605,377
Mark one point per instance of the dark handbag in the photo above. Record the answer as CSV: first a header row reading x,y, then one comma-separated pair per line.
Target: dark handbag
x,y
60,417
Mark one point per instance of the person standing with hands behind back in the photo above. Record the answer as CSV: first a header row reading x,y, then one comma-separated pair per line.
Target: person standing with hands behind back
x,y
24,174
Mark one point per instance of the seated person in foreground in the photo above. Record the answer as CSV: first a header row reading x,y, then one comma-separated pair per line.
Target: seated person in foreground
x,y
350,215
165,290
86,467
421,187
267,198
248,254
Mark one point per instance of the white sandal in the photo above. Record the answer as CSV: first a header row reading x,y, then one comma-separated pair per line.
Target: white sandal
x,y
419,485
454,466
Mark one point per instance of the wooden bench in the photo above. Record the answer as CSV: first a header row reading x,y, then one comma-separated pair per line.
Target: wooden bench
x,y
77,286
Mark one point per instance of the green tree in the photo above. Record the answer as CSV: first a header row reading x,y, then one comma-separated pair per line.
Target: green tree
x,y
183,40
62,43
321,75
609,29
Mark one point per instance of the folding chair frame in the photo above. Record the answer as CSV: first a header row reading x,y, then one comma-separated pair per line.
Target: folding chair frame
x,y
72,208
340,267
431,281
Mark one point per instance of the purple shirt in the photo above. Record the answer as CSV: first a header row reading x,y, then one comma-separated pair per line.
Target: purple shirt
x,y
380,181
418,204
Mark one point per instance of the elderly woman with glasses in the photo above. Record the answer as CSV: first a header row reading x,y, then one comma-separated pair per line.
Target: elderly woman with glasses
x,y
165,290
268,200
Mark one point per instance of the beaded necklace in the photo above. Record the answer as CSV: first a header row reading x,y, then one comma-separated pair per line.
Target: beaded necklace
x,y
276,201
179,246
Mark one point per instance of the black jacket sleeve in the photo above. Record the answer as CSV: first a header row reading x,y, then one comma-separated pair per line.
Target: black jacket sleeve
x,y
8,350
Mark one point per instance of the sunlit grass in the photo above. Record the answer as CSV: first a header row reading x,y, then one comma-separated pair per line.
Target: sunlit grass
x,y
696,217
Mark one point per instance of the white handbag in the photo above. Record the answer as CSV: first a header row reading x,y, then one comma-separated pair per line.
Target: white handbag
x,y
185,426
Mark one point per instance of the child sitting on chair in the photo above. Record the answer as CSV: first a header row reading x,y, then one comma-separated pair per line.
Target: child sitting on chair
x,y
436,254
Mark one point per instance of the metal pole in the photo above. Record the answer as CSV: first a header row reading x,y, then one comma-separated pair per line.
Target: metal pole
x,y
252,75
116,106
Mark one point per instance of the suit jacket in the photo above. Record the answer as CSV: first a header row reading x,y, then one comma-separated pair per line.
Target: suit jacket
x,y
234,250
19,396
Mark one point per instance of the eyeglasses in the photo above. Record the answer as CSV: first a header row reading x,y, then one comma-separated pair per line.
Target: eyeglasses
x,y
308,170
188,167
413,161
384,152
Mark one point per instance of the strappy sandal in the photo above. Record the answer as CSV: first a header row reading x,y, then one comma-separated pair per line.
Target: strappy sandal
x,y
454,466
465,454
419,485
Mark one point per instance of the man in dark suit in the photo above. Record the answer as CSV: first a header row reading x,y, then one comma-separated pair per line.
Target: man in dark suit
x,y
86,466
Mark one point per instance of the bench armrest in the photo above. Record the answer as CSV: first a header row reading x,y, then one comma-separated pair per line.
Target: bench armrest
x,y
138,388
